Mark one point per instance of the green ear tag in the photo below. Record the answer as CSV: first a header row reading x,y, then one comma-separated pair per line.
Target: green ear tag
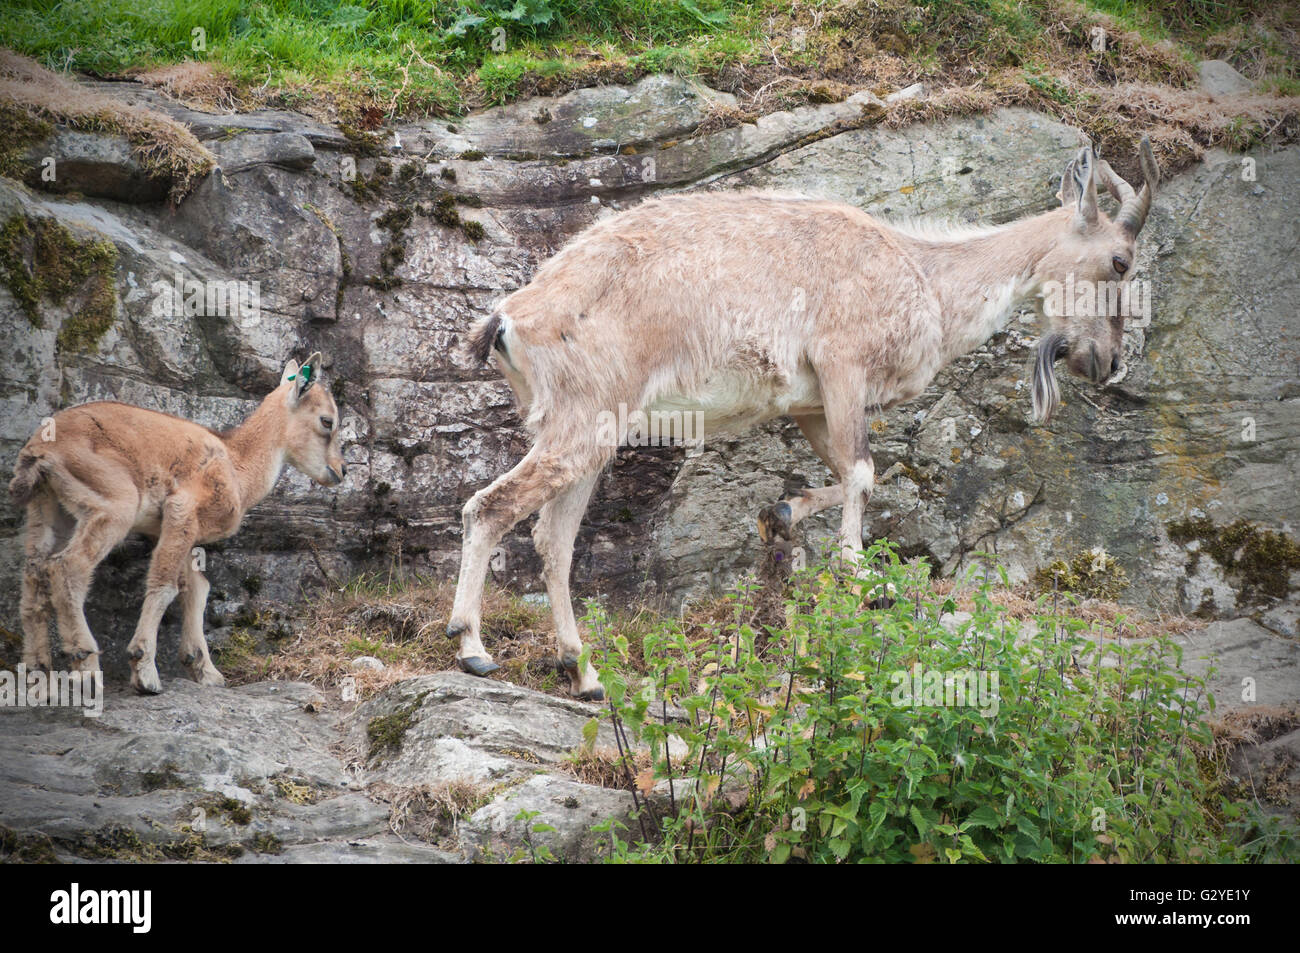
x,y
306,371
291,377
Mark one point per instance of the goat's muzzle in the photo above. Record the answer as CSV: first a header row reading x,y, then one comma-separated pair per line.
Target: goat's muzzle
x,y
1046,393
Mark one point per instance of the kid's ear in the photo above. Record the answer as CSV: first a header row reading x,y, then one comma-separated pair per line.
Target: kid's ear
x,y
309,373
302,377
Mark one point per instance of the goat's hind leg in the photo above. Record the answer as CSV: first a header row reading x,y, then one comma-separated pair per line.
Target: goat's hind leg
x,y
556,529
488,515
69,573
35,608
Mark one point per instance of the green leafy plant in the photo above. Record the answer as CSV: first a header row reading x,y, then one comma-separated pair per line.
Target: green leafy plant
x,y
533,851
886,735
484,15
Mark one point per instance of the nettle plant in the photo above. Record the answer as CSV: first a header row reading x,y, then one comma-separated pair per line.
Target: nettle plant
x,y
879,735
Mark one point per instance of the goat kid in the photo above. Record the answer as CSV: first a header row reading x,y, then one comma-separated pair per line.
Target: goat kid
x,y
750,306
97,472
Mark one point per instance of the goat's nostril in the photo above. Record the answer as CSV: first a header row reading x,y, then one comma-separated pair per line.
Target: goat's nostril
x,y
343,469
1114,364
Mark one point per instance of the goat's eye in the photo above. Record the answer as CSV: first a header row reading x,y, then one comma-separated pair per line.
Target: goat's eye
x,y
1120,264
327,423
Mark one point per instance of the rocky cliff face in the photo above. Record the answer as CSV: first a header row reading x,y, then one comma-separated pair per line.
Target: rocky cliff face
x,y
381,249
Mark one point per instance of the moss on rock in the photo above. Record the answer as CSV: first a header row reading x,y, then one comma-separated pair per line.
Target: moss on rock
x,y
386,732
26,848
42,261
1261,560
22,131
1091,573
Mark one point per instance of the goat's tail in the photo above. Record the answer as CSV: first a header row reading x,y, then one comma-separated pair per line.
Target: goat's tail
x,y
485,337
495,335
28,475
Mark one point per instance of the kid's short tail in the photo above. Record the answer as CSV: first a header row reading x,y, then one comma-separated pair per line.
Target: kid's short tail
x,y
27,477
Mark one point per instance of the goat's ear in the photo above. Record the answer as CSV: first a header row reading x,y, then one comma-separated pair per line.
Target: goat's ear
x,y
1066,192
1084,187
1150,170
290,372
309,373
303,378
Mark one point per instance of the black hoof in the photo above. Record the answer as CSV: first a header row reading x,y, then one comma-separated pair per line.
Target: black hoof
x,y
775,522
569,663
592,695
456,629
478,666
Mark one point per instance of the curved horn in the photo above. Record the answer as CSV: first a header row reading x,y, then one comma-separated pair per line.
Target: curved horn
x,y
1133,213
1117,187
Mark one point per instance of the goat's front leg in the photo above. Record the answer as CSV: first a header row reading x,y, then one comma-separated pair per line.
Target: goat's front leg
x,y
779,520
162,583
849,449
194,646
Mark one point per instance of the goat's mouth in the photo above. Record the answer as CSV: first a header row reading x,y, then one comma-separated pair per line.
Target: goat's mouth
x,y
1092,364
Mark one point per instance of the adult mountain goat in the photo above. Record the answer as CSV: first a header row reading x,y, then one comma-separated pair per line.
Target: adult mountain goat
x,y
749,306
97,472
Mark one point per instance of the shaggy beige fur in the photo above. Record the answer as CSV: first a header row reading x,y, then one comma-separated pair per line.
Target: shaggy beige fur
x,y
749,306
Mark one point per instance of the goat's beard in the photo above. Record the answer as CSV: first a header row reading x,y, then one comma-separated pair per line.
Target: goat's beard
x,y
1046,393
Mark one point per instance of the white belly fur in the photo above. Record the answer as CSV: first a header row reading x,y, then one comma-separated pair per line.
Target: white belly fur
x,y
734,401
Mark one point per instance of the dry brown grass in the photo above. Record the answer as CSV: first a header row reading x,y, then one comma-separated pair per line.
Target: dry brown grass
x,y
1181,123
1136,87
1255,725
1022,604
165,148
430,812
605,768
198,85
403,626
1224,763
